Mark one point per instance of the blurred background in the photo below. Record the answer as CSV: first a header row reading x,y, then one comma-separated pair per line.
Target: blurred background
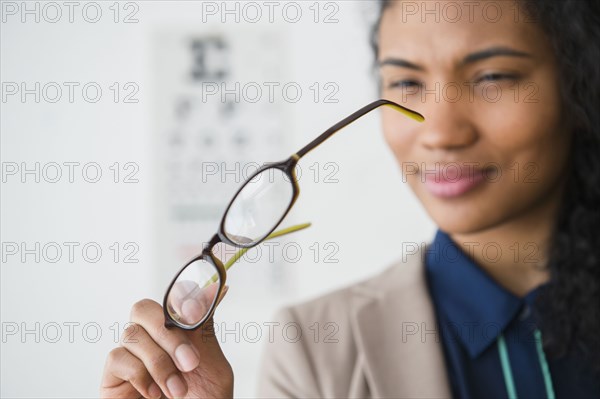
x,y
125,129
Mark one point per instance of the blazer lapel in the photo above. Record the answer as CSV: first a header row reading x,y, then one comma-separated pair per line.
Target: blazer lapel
x,y
397,335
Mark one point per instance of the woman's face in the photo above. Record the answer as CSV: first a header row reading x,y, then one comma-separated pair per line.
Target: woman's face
x,y
493,144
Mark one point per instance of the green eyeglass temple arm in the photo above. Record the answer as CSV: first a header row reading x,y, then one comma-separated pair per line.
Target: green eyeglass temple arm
x,y
349,119
274,234
242,251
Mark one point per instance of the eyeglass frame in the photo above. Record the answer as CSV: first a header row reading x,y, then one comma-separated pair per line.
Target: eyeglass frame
x,y
287,166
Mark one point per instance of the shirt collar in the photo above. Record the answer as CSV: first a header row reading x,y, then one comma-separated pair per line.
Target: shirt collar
x,y
475,307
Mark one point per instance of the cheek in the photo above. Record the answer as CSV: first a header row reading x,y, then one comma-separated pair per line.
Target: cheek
x,y
399,134
526,131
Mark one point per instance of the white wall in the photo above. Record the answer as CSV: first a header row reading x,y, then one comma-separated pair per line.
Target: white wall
x,y
46,298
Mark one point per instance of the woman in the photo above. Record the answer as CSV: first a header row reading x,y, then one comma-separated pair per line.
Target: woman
x,y
504,302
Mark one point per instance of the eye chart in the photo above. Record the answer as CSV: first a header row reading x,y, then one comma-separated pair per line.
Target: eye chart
x,y
217,120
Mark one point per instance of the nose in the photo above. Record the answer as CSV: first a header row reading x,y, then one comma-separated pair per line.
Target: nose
x,y
448,126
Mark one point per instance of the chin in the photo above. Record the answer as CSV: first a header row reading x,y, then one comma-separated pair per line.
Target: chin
x,y
461,225
462,215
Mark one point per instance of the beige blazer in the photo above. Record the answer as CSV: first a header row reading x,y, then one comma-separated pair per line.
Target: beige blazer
x,y
377,338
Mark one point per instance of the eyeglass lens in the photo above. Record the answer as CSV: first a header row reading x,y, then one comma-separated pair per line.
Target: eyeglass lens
x,y
258,207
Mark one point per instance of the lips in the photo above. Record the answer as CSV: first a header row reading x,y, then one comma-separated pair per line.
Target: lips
x,y
451,181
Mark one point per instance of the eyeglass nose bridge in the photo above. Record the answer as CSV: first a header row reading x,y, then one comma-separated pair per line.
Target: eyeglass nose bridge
x,y
207,252
216,239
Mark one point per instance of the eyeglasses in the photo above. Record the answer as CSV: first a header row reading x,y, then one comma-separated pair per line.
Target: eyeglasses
x,y
251,217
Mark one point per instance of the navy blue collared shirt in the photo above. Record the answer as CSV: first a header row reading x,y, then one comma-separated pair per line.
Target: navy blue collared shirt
x,y
472,312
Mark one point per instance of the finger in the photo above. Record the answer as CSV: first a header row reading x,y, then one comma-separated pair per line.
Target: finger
x,y
125,377
205,340
156,360
149,315
189,302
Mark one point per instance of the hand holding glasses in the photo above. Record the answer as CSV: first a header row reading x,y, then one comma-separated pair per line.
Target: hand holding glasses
x,y
255,211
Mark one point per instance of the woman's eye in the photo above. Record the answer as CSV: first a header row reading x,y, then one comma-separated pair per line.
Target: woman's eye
x,y
403,84
495,77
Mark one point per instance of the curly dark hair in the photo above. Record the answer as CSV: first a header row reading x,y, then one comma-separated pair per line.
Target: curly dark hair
x,y
569,306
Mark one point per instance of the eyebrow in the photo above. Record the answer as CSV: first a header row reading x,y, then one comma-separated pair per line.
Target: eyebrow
x,y
469,59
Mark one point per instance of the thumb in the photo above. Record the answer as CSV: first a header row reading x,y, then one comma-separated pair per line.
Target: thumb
x,y
205,338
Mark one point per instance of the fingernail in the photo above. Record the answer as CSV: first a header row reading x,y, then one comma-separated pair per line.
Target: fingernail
x,y
186,357
176,386
154,391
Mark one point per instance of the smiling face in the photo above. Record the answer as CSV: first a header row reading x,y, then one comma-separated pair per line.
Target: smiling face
x,y
494,143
